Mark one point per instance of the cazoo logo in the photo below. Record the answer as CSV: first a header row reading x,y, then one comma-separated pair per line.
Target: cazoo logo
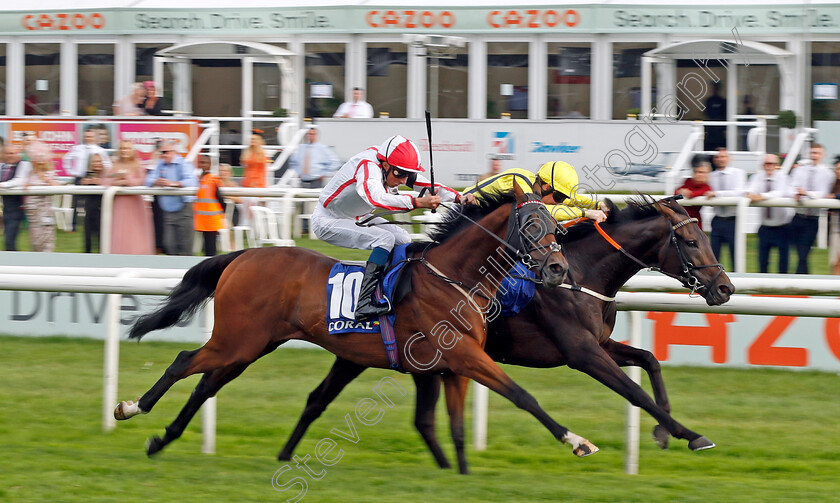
x,y
533,18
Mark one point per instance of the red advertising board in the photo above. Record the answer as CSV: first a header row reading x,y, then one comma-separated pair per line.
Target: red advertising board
x,y
144,135
59,136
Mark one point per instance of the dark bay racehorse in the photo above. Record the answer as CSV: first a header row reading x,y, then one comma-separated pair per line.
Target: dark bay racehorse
x,y
266,297
566,327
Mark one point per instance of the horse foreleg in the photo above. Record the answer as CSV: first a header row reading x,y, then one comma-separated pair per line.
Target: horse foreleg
x,y
208,386
428,392
341,374
475,364
456,394
595,362
628,356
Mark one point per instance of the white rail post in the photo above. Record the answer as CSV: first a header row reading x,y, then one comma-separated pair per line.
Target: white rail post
x,y
822,231
106,219
740,264
631,457
111,372
480,396
208,410
214,142
112,362
287,218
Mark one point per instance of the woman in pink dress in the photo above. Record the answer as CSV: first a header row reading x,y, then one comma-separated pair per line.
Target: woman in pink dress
x,y
131,222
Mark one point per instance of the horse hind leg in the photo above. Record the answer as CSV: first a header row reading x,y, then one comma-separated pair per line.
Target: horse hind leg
x,y
340,375
208,386
174,373
187,363
456,395
628,356
428,392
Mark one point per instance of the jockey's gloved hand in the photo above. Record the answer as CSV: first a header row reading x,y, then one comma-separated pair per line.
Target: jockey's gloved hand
x,y
427,202
597,215
468,199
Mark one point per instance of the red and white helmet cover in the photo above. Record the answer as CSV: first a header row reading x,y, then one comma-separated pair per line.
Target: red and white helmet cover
x,y
401,153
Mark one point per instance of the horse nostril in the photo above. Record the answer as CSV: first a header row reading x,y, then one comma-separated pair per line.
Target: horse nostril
x,y
726,290
558,270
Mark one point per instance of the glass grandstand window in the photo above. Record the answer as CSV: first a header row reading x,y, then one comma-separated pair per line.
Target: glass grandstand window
x,y
144,69
452,89
95,81
627,77
825,77
325,64
507,79
144,57
387,80
569,75
42,79
758,94
2,79
224,98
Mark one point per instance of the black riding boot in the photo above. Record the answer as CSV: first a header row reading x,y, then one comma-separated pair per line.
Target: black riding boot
x,y
367,307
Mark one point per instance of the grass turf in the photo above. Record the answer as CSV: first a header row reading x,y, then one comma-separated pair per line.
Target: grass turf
x,y
776,432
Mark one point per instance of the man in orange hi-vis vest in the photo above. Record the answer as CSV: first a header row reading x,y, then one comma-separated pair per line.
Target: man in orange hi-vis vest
x,y
208,209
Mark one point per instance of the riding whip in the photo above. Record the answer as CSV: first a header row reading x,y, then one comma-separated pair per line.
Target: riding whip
x,y
431,160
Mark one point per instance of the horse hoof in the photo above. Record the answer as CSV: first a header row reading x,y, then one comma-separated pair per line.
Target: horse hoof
x,y
584,449
154,445
127,409
284,457
701,443
661,436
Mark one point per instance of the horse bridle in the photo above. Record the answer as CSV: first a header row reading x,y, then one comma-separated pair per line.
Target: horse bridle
x,y
688,279
513,239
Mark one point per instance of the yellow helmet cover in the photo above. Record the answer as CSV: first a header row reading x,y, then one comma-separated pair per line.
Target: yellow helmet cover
x,y
561,175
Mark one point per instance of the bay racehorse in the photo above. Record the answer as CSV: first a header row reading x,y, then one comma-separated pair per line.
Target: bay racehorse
x,y
572,326
268,296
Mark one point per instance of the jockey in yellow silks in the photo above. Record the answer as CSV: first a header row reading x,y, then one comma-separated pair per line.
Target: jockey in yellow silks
x,y
556,182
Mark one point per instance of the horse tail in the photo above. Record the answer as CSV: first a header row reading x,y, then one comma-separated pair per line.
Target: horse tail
x,y
198,285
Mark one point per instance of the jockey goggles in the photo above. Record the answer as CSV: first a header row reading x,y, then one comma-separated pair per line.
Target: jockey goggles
x,y
399,173
559,197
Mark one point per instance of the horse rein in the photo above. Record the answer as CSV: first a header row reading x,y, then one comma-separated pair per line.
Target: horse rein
x,y
687,279
522,256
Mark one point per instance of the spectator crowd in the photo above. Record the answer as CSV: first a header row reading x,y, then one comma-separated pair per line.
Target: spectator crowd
x,y
781,228
160,224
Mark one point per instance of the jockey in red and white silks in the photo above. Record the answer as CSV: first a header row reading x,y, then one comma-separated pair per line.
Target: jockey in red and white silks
x,y
369,182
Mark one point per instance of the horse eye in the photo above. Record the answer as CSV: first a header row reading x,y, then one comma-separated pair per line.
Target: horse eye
x,y
692,243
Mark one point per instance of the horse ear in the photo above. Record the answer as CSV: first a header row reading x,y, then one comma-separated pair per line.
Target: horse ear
x,y
517,190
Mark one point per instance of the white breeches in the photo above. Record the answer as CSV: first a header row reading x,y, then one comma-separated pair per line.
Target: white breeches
x,y
344,232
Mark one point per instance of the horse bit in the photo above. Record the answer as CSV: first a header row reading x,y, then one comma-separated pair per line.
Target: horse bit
x,y
687,279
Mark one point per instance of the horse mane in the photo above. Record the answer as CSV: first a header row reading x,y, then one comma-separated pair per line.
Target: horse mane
x,y
639,207
453,224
